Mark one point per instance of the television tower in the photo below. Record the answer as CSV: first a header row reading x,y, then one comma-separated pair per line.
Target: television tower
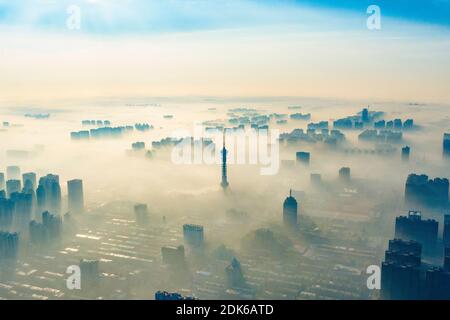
x,y
224,184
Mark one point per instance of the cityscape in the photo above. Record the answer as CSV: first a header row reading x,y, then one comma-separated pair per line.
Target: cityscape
x,y
112,194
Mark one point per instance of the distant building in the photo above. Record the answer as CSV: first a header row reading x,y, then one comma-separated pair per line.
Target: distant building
x,y
446,144
9,245
344,175
141,213
400,272
90,273
6,213
405,153
303,157
423,192
224,184
75,195
13,172
164,295
234,274
48,194
412,227
446,233
290,212
29,180
23,209
13,186
316,179
193,234
2,181
52,224
365,115
173,255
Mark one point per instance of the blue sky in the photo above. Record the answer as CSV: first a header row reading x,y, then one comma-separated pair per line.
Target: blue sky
x,y
319,48
137,16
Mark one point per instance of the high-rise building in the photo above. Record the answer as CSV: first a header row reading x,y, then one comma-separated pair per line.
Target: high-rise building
x,y
446,233
2,181
75,195
141,213
412,227
303,158
316,179
9,245
405,153
6,213
13,172
193,234
400,272
419,191
344,175
48,194
224,184
52,224
164,295
173,255
437,284
23,209
12,186
90,273
235,276
29,180
290,211
365,115
446,144
447,259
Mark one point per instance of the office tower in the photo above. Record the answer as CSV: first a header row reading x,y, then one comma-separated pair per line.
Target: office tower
x,y
303,157
6,213
48,194
164,295
13,172
447,258
29,180
2,194
437,284
412,227
23,209
9,245
446,144
12,186
400,272
316,179
408,124
90,273
365,115
344,174
405,153
37,233
75,195
224,184
234,274
52,224
419,191
446,233
290,212
193,234
173,255
2,181
141,213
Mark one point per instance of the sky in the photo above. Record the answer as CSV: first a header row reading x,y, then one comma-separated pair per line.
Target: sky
x,y
128,48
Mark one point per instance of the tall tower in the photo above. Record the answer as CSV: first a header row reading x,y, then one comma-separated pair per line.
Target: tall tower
x,y
224,183
290,212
